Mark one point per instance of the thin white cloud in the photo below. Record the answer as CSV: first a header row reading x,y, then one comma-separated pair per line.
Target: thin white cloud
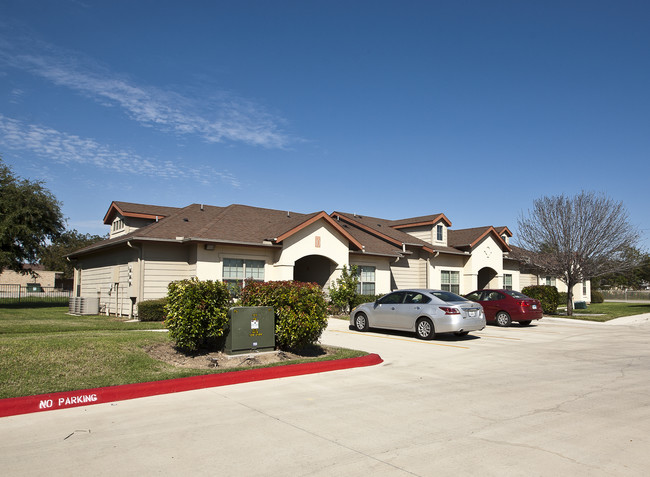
x,y
215,118
68,149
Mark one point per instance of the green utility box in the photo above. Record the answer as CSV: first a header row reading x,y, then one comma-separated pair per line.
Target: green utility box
x,y
252,328
580,305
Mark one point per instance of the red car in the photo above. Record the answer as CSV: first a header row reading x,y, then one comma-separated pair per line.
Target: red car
x,y
505,306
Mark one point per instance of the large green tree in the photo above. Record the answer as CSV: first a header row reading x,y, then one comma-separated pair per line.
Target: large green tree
x,y
52,255
579,237
30,216
634,278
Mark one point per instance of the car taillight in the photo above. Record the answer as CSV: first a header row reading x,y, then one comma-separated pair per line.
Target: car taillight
x,y
450,311
523,303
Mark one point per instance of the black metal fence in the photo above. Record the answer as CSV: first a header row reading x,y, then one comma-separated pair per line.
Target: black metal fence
x,y
14,294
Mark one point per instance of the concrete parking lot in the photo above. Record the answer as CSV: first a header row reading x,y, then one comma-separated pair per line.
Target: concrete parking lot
x,y
555,398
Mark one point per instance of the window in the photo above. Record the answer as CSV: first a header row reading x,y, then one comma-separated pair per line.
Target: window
x,y
439,233
366,284
507,281
450,281
392,299
236,271
476,296
548,281
584,288
416,298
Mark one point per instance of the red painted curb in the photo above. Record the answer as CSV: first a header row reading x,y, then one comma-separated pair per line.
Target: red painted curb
x,y
86,397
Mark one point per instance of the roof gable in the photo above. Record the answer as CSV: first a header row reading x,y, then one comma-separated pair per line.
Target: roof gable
x,y
382,229
326,218
143,211
470,238
420,221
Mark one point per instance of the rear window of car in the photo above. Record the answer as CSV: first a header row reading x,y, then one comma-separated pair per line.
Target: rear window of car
x,y
447,296
516,294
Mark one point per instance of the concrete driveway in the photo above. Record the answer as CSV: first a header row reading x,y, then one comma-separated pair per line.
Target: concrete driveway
x,y
556,398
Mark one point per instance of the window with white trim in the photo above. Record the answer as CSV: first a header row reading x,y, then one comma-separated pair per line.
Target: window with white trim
x,y
366,284
507,281
439,233
548,280
236,271
450,281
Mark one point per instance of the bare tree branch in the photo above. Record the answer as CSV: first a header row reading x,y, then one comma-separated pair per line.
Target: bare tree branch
x,y
576,238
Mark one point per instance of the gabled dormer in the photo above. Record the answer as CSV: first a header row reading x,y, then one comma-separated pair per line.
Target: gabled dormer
x,y
504,233
430,228
126,217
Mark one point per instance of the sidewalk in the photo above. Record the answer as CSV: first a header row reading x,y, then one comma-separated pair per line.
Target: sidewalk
x,y
624,320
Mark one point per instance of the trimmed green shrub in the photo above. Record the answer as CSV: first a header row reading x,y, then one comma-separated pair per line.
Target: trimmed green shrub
x,y
563,297
546,294
597,297
197,313
300,310
152,310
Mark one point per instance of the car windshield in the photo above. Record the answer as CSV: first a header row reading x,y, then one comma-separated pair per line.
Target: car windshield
x,y
447,296
516,294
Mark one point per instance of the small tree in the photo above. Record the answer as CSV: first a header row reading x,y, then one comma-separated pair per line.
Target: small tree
x,y
576,238
343,292
29,217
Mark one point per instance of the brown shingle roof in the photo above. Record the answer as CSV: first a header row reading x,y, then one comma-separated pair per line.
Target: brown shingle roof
x,y
468,238
232,224
130,209
422,220
384,230
244,224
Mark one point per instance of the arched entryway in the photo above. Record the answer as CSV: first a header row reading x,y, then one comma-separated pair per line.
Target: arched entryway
x,y
487,278
313,268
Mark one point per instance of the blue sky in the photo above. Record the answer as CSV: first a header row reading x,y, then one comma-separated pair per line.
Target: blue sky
x,y
383,108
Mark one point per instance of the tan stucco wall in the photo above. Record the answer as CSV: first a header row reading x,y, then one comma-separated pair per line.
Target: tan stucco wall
x,y
319,238
382,270
209,263
446,262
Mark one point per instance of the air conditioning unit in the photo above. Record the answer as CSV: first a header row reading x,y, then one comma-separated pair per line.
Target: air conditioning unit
x,y
80,305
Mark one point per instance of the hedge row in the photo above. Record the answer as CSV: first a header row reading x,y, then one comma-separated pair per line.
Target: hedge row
x,y
300,310
197,312
546,294
152,310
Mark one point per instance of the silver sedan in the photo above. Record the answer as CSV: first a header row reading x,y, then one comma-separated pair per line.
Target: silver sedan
x,y
426,312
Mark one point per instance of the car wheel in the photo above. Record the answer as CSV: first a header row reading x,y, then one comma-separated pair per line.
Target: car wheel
x,y
525,323
424,329
361,322
503,319
461,333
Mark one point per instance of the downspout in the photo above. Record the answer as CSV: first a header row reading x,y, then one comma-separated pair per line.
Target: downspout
x,y
140,274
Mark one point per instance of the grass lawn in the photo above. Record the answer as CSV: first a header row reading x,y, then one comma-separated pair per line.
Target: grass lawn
x,y
610,310
44,350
